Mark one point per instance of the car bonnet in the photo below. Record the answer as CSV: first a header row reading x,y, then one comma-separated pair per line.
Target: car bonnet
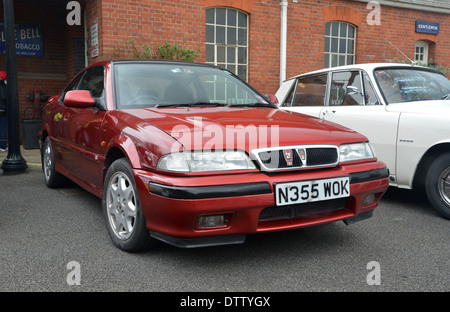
x,y
227,127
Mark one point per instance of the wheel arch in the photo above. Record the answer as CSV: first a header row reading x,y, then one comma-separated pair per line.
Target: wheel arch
x,y
425,162
42,136
113,154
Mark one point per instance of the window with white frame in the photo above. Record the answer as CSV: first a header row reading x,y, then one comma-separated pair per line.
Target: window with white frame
x,y
340,38
421,52
227,40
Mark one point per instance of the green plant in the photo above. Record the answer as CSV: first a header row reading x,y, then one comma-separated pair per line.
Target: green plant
x,y
430,64
174,52
165,51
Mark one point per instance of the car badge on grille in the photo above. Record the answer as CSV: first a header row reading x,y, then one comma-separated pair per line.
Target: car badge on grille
x,y
288,157
302,153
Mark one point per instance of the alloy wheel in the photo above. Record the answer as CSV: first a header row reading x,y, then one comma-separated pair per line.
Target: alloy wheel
x,y
444,185
47,162
121,205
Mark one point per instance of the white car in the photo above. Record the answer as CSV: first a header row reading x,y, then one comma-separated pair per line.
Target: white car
x,y
404,110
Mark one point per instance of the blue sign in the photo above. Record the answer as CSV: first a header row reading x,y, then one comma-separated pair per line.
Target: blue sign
x,y
28,40
427,27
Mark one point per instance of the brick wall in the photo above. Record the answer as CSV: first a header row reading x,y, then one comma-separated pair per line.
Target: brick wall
x,y
152,22
307,23
182,21
51,72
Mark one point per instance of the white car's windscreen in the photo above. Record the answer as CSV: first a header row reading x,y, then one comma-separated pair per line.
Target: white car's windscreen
x,y
412,84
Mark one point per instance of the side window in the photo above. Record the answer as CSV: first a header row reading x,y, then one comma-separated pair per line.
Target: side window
x,y
93,81
309,91
370,95
346,89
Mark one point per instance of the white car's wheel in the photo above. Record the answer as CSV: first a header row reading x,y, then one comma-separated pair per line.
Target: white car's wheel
x,y
437,185
124,218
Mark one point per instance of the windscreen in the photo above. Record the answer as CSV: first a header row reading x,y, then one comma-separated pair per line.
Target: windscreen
x,y
145,85
411,84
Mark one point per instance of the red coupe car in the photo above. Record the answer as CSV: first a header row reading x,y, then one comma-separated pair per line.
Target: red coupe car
x,y
191,155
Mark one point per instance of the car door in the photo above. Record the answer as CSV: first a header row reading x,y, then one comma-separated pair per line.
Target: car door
x,y
308,95
353,103
80,132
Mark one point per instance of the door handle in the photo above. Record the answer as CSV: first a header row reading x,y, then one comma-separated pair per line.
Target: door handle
x,y
66,116
326,111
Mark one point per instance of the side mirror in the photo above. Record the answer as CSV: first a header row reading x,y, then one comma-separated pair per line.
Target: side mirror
x,y
353,90
272,98
79,99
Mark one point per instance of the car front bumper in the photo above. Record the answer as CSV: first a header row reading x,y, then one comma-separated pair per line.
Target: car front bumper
x,y
173,205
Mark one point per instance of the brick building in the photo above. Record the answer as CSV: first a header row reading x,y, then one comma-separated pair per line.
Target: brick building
x,y
264,41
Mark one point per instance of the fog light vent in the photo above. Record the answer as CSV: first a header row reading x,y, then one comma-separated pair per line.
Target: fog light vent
x,y
369,199
212,221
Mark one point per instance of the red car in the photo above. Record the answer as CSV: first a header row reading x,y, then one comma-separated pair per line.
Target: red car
x,y
191,155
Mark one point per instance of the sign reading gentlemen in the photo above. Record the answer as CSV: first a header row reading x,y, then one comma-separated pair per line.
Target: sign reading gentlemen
x,y
427,27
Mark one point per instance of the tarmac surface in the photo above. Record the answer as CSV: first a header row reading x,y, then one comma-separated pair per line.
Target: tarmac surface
x,y
404,247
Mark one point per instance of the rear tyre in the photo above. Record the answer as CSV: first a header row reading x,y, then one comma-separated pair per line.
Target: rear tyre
x,y
122,211
53,179
437,185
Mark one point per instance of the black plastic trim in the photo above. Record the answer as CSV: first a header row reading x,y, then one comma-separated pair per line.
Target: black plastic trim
x,y
195,242
367,176
362,216
202,192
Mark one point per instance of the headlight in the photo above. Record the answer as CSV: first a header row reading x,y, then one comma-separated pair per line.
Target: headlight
x,y
355,151
203,161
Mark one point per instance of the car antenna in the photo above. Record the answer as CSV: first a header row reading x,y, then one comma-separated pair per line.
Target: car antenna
x,y
412,62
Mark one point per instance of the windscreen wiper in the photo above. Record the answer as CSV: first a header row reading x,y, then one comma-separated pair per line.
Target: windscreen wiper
x,y
256,104
199,104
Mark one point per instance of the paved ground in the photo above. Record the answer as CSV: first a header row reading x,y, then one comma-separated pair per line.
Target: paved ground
x,y
45,231
32,157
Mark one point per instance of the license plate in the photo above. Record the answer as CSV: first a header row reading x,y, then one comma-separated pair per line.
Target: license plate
x,y
311,191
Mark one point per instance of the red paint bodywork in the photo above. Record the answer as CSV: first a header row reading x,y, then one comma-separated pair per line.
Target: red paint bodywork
x,y
83,140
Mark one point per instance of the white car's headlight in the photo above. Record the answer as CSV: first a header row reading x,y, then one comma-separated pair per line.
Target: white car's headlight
x,y
355,151
204,161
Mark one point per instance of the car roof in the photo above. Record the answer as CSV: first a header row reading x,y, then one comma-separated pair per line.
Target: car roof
x,y
368,67
158,61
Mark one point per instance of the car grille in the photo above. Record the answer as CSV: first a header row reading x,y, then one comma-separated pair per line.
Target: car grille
x,y
302,210
296,157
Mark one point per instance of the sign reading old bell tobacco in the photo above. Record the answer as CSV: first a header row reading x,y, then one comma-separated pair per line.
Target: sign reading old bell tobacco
x,y
28,40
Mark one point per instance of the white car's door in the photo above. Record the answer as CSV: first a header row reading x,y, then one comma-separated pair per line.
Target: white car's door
x,y
305,95
354,104
375,123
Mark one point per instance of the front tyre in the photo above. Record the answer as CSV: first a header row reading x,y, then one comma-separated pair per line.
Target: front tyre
x,y
53,178
437,185
122,211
